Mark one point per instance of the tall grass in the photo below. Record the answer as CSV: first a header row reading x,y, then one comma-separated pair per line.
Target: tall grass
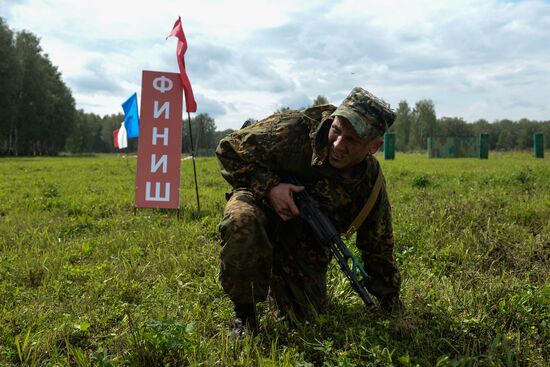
x,y
86,281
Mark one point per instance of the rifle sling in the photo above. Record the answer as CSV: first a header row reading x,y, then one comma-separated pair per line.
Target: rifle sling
x,y
368,206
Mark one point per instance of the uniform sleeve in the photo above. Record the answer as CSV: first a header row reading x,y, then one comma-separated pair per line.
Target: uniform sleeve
x,y
247,158
375,241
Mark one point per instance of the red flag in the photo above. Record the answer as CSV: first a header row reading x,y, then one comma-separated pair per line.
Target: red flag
x,y
177,31
115,138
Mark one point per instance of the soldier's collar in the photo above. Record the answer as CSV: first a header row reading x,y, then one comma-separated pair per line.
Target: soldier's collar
x,y
319,120
319,143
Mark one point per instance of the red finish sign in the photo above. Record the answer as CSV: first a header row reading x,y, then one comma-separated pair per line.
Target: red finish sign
x,y
159,147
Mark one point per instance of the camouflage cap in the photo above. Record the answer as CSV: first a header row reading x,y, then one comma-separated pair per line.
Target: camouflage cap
x,y
368,114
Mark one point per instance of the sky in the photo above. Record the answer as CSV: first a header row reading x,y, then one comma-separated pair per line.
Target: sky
x,y
474,59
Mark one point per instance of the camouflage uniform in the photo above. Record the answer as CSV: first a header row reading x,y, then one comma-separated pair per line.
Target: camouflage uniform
x,y
262,253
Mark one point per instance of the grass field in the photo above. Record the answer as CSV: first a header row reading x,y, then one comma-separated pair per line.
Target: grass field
x,y
85,281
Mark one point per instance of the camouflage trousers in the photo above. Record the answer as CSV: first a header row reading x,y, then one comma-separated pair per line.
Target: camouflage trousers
x,y
261,254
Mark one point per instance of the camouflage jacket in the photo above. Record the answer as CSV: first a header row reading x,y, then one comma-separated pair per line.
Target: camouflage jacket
x,y
297,143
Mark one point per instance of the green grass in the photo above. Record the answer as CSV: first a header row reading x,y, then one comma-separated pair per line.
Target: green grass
x,y
85,281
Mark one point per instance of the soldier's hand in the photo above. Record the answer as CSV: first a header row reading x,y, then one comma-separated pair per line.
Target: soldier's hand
x,y
280,198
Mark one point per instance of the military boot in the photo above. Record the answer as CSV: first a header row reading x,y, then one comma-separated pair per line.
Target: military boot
x,y
391,304
245,321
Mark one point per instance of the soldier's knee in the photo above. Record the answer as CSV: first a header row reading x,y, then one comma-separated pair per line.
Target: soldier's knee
x,y
241,218
243,223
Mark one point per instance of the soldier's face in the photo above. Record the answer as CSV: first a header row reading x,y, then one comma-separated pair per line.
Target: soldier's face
x,y
346,148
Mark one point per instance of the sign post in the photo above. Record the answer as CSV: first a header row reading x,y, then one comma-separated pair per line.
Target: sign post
x,y
159,147
538,145
389,145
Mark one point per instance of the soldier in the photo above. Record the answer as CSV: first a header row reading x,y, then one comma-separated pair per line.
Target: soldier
x,y
265,247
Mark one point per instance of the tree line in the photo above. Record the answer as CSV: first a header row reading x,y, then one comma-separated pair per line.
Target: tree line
x,y
37,110
414,126
38,114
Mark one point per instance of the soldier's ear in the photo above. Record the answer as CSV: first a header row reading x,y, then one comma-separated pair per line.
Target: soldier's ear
x,y
375,144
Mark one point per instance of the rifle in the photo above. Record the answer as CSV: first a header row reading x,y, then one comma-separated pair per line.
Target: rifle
x,y
327,235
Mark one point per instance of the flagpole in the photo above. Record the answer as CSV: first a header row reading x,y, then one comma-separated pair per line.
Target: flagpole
x,y
193,157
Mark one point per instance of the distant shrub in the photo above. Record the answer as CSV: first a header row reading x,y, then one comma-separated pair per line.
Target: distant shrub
x,y
420,181
523,176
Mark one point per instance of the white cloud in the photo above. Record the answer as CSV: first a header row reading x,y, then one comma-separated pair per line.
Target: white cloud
x,y
247,58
